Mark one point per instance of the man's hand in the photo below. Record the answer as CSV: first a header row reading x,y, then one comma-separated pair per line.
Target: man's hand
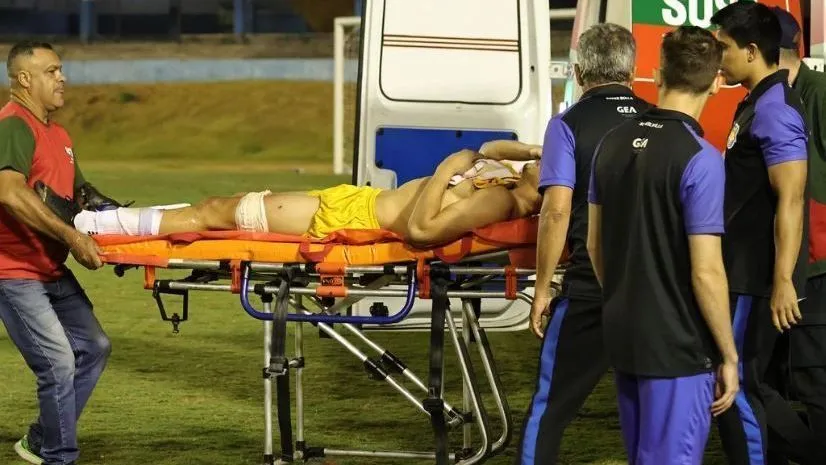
x,y
726,387
460,161
785,311
85,250
539,308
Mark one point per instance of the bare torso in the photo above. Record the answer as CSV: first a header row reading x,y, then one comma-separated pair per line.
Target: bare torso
x,y
394,207
292,212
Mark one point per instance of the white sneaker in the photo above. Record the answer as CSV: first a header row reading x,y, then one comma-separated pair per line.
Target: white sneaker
x,y
25,453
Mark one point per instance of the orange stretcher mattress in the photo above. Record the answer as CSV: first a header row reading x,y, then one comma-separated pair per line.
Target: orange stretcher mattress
x,y
353,247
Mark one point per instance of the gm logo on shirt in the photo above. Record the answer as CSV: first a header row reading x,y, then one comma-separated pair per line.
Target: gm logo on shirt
x,y
626,110
639,143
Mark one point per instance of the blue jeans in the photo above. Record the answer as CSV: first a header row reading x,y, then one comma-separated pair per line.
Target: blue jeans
x,y
53,327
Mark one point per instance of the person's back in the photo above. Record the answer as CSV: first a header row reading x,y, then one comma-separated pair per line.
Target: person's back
x,y
643,180
655,221
599,110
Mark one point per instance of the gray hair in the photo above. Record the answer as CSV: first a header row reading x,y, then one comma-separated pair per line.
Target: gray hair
x,y
606,53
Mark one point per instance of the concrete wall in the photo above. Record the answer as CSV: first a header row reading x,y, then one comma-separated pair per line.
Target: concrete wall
x,y
165,70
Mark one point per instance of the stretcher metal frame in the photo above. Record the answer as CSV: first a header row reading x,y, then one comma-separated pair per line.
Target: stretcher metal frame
x,y
281,286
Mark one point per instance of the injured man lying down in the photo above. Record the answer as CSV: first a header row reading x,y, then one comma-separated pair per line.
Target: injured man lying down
x,y
468,190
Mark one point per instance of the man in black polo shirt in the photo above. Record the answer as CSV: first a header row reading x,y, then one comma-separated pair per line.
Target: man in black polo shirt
x,y
572,359
656,217
763,249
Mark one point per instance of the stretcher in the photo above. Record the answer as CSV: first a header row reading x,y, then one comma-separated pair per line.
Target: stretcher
x,y
303,280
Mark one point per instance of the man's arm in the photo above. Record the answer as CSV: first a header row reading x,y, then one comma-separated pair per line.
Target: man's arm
x,y
482,208
554,219
702,193
429,225
789,183
557,177
510,150
782,135
23,204
710,284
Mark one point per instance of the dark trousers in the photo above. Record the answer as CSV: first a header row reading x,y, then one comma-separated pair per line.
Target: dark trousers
x,y
571,364
800,372
759,408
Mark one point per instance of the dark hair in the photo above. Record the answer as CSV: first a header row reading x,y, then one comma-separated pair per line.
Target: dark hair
x,y
752,23
26,47
690,59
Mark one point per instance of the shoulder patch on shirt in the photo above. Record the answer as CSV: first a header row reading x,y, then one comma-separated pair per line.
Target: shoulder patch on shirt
x,y
732,136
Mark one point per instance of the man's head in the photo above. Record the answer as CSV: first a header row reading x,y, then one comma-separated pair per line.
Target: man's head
x,y
36,71
789,36
750,34
689,62
606,53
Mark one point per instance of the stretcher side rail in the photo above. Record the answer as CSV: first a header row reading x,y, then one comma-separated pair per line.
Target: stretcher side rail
x,y
265,278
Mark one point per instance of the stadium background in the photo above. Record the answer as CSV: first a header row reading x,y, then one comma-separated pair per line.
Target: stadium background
x,y
171,101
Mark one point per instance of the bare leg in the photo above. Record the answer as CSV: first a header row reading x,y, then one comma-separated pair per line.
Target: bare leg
x,y
213,213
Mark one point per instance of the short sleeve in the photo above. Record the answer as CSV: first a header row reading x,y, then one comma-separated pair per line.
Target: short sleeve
x,y
558,165
781,132
702,193
16,145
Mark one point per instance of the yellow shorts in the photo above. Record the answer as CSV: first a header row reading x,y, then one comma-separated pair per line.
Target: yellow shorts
x,y
344,207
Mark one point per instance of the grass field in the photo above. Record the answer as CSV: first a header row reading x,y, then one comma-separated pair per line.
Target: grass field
x,y
197,397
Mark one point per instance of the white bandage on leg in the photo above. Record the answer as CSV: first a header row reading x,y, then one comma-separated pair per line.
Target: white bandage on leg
x,y
250,215
127,221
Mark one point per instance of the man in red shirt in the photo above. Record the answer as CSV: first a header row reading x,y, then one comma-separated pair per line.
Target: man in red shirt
x,y
45,311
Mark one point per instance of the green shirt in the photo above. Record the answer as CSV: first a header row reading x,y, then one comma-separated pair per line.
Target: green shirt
x,y
811,85
17,148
